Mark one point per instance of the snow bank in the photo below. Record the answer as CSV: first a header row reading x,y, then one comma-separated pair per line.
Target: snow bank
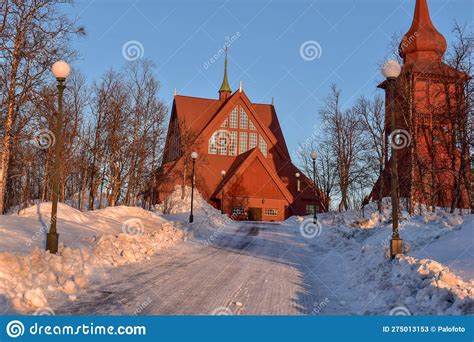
x,y
204,213
434,277
105,238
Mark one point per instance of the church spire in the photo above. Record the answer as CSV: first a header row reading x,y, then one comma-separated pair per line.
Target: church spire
x,y
422,41
225,90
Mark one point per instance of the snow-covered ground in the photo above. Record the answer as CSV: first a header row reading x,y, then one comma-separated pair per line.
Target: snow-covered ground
x,y
116,261
89,243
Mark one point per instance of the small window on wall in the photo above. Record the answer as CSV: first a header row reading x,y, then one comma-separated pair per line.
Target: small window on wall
x,y
262,145
253,140
233,143
242,142
238,210
225,123
310,209
234,118
271,212
244,119
212,145
252,126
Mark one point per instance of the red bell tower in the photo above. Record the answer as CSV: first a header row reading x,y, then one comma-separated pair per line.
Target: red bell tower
x,y
429,106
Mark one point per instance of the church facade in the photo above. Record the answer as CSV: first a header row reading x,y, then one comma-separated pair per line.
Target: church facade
x,y
243,165
429,104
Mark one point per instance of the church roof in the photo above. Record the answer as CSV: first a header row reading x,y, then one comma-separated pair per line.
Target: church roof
x,y
196,113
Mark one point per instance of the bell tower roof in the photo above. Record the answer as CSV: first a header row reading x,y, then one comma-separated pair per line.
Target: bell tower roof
x,y
422,41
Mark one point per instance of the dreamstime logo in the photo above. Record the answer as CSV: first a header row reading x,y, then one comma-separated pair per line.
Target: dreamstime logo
x,y
15,329
132,50
43,139
310,229
133,226
400,139
44,312
222,311
227,43
400,311
310,50
221,138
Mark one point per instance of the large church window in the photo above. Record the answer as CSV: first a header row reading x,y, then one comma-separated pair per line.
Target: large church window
x,y
244,119
262,145
253,140
242,142
233,123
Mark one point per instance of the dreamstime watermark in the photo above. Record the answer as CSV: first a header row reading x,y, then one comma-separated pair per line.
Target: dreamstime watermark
x,y
133,226
41,232
221,138
44,312
400,138
228,41
222,311
15,329
133,50
43,139
320,306
310,50
310,228
142,306
400,311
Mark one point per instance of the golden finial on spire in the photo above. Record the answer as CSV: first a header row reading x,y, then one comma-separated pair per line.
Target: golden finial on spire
x,y
240,86
273,101
175,92
225,87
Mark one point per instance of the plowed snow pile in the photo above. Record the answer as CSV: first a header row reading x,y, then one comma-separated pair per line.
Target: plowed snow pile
x,y
104,238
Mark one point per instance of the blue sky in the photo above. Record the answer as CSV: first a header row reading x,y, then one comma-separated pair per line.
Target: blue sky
x,y
182,36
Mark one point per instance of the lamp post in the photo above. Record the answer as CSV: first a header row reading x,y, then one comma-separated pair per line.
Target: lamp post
x,y
314,155
61,71
222,192
391,70
298,184
194,156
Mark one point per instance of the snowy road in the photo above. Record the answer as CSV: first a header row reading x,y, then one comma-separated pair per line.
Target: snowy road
x,y
255,269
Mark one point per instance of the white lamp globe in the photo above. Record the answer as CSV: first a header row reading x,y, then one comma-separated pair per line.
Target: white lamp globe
x,y
61,70
194,155
391,69
223,172
297,175
314,155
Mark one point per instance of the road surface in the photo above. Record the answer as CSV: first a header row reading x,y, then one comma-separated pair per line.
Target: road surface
x,y
254,269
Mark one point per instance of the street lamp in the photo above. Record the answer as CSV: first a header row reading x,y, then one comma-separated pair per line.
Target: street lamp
x,y
391,70
314,155
194,156
222,192
61,71
298,184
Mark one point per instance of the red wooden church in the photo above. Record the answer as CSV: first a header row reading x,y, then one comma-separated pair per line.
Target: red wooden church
x,y
243,158
429,105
